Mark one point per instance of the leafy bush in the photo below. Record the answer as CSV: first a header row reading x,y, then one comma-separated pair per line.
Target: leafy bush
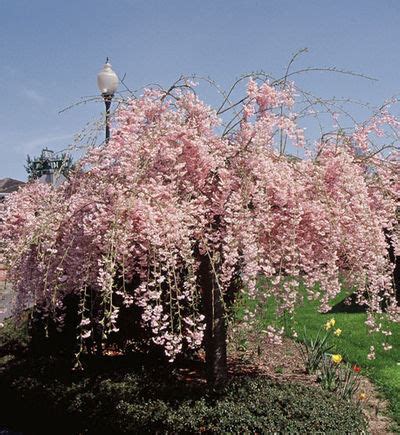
x,y
14,338
132,401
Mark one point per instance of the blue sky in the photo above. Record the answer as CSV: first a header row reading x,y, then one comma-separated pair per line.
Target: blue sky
x,y
51,51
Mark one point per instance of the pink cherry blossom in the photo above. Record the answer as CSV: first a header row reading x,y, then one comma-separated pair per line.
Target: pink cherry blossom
x,y
167,190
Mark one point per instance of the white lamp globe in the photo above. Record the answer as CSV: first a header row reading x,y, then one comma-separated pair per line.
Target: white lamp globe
x,y
107,80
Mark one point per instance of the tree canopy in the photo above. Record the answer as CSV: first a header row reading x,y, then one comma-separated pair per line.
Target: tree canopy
x,y
175,219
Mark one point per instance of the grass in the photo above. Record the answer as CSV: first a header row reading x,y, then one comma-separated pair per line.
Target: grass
x,y
354,344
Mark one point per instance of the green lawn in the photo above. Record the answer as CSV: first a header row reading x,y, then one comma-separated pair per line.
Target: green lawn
x,y
354,344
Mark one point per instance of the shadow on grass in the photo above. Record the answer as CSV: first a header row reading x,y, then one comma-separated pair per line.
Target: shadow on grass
x,y
348,305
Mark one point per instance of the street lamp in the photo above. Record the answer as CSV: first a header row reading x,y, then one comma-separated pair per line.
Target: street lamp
x,y
107,81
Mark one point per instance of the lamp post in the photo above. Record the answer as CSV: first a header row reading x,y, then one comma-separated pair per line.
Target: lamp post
x,y
107,81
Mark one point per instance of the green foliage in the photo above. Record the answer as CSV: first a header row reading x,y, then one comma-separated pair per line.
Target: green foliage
x,y
328,374
314,349
349,382
338,378
151,400
14,338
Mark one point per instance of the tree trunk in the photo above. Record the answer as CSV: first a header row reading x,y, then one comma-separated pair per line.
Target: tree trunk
x,y
395,259
216,327
396,277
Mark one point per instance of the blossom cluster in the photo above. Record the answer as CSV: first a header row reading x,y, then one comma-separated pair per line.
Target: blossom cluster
x,y
167,190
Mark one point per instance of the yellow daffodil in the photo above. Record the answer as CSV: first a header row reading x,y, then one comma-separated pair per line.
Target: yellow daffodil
x,y
337,332
330,324
337,359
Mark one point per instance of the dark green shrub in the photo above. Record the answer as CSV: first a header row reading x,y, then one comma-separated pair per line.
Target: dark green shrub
x,y
14,338
153,400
